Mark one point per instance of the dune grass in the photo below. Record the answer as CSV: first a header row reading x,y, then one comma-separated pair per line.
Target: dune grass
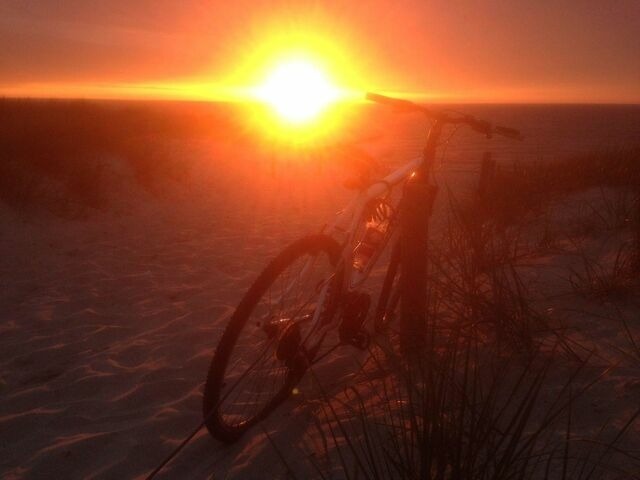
x,y
495,391
66,156
519,190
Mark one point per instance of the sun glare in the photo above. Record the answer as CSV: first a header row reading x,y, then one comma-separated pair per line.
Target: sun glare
x,y
297,90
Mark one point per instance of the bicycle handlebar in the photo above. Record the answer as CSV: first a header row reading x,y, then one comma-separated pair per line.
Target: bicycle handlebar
x,y
508,132
397,103
481,126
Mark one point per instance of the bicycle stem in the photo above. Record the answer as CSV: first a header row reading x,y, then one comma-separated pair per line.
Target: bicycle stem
x,y
429,153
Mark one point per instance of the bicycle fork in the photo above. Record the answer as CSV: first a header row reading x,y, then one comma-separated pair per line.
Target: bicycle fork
x,y
418,198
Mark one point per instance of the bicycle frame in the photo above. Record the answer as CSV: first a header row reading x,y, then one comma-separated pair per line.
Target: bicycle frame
x,y
417,200
353,215
345,254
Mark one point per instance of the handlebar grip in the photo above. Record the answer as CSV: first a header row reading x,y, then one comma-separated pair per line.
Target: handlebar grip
x,y
508,132
394,102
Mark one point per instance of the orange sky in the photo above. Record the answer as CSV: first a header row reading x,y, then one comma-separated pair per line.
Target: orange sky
x,y
461,50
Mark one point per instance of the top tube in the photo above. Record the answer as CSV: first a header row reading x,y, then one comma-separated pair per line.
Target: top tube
x,y
382,186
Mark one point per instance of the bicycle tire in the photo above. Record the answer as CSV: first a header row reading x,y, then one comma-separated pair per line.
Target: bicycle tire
x,y
218,376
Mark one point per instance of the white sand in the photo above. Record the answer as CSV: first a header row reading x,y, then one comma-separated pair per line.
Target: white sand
x,y
108,325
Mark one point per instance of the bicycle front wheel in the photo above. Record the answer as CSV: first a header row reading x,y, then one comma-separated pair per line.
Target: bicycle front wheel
x,y
263,351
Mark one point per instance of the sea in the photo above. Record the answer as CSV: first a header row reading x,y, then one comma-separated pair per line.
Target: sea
x,y
549,132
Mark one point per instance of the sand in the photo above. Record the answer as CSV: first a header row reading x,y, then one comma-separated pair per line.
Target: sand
x,y
109,322
108,325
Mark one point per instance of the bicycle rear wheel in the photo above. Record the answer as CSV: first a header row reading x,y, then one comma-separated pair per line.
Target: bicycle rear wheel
x,y
264,349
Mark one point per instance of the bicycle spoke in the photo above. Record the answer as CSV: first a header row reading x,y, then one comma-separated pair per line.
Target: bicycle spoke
x,y
255,374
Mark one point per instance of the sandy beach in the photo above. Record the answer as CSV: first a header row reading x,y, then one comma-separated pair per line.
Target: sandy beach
x,y
319,240
109,322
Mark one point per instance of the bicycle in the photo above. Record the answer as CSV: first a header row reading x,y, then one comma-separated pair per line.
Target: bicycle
x,y
306,302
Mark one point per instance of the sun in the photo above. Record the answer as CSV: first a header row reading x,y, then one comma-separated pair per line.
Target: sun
x,y
298,90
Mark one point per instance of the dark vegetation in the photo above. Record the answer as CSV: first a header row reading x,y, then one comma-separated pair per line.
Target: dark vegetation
x,y
519,189
500,387
497,389
66,156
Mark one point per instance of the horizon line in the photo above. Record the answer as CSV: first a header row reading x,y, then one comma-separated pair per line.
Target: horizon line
x,y
353,100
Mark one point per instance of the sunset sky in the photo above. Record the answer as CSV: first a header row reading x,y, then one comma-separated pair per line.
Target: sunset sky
x,y
461,50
